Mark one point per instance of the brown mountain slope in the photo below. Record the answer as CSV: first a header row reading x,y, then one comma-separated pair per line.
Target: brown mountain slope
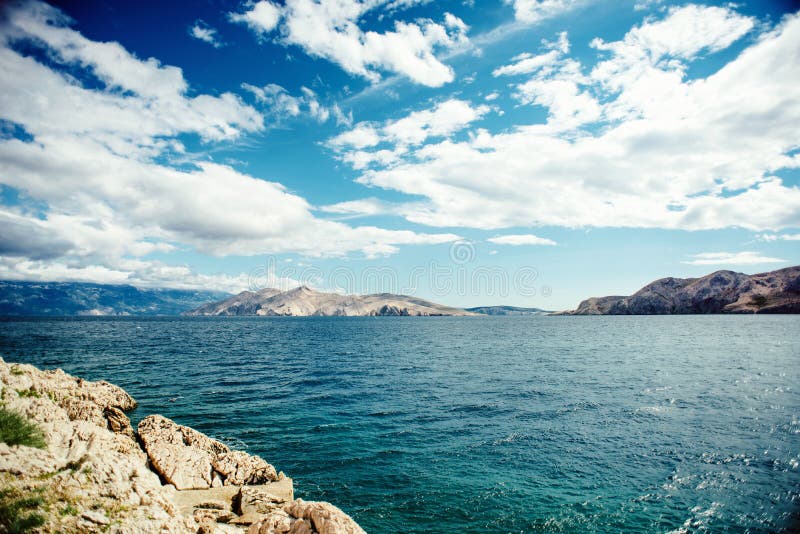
x,y
719,292
303,301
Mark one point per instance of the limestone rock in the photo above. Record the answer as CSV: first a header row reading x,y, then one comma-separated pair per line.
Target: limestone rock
x,y
190,460
95,517
256,500
96,480
216,515
247,519
239,468
309,517
117,421
178,453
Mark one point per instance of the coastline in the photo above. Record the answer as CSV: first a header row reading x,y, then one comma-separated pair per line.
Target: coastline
x,y
92,472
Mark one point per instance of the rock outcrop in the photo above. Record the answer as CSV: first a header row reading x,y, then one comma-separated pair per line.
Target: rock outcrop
x,y
306,517
95,476
96,479
718,292
303,301
189,459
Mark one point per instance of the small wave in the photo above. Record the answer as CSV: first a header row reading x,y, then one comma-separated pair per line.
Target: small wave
x,y
388,413
699,519
653,409
511,438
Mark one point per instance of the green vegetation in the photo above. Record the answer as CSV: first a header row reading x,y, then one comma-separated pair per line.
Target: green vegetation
x,y
28,393
16,371
68,510
17,430
759,300
18,512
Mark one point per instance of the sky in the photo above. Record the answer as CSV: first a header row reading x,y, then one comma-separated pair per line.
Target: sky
x,y
522,152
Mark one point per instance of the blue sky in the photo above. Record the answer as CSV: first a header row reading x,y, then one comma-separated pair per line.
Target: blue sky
x,y
528,152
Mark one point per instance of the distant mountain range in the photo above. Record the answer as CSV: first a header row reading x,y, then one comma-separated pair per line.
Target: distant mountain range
x,y
69,299
719,292
304,301
507,310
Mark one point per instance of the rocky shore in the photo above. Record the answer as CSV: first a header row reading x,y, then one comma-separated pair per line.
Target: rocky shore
x,y
92,472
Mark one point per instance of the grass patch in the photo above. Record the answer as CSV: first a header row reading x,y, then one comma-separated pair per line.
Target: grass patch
x,y
16,371
19,513
17,430
68,510
759,301
28,393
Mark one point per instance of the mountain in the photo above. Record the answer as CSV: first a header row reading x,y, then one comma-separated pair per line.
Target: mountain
x,y
71,298
303,301
719,292
507,310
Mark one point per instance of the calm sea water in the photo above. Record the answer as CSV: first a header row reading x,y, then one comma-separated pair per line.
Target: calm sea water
x,y
504,424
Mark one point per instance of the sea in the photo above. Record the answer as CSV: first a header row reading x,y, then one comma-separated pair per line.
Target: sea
x,y
477,424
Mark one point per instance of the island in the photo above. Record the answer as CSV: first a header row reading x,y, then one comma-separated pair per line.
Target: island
x,y
719,292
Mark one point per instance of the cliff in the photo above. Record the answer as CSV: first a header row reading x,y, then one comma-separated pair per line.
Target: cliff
x,y
303,301
719,292
71,462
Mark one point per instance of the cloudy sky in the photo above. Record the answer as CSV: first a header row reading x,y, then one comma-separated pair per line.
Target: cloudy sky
x,y
530,152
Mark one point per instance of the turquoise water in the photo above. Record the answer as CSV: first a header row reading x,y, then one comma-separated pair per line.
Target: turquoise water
x,y
502,424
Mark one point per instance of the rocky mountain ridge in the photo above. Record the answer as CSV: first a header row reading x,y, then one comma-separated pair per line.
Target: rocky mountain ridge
x,y
507,310
719,292
73,298
304,301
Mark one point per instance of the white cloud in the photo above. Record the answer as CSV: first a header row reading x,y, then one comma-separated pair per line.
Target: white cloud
x,y
668,153
261,17
97,173
331,29
51,104
202,31
363,135
731,258
279,104
527,63
440,121
532,11
779,237
556,84
521,239
140,274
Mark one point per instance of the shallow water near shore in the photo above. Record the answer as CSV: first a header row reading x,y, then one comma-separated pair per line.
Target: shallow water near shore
x,y
503,424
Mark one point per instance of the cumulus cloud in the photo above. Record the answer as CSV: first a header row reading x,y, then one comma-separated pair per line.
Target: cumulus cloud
x,y
440,121
95,166
731,258
521,239
331,29
261,17
203,32
631,143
